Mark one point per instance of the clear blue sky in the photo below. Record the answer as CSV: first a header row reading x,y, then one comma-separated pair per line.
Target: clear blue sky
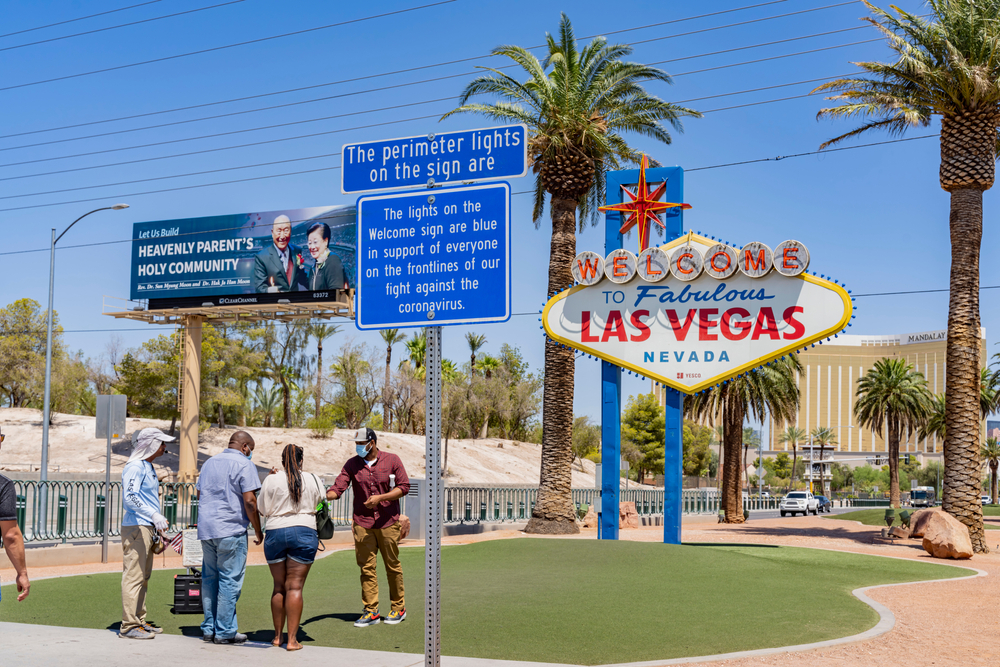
x,y
874,217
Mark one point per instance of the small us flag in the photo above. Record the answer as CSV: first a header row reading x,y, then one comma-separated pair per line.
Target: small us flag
x,y
177,544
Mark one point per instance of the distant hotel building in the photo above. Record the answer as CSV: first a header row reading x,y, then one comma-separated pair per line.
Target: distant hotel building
x,y
828,382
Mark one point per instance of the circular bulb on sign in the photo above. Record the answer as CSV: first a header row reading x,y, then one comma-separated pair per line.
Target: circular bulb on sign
x,y
619,266
755,260
686,263
721,261
588,268
791,258
652,265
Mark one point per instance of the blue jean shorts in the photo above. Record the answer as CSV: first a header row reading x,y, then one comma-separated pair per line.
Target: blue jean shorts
x,y
296,542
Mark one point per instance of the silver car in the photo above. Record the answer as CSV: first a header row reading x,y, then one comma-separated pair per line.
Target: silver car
x,y
799,501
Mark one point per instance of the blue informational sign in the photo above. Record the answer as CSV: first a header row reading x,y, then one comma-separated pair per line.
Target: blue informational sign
x,y
434,258
447,158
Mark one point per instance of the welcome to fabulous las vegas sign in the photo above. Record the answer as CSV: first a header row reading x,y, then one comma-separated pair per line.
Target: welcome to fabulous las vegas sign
x,y
695,312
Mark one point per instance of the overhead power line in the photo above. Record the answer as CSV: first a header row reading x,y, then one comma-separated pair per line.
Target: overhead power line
x,y
81,18
378,89
62,171
122,25
226,46
469,59
310,171
184,139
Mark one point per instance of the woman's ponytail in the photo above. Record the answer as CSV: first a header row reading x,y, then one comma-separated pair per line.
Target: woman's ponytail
x,y
291,460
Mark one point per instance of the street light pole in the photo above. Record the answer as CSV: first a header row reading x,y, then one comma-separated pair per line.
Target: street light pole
x,y
44,472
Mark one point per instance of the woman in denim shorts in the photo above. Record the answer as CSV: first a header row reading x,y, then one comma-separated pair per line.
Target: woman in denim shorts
x,y
288,503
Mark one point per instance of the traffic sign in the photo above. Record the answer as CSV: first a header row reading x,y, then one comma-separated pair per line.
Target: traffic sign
x,y
434,258
489,153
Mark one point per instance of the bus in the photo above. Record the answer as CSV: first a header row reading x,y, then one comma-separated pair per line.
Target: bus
x,y
922,496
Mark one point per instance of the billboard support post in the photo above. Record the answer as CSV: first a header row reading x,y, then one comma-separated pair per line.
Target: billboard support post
x,y
187,469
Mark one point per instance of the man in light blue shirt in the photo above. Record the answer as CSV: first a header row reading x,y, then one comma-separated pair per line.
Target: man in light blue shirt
x,y
227,503
141,500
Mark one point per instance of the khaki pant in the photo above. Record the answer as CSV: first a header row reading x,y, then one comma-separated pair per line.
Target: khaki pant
x,y
137,565
368,543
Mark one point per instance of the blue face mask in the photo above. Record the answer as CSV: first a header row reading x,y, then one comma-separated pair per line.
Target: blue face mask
x,y
250,455
362,450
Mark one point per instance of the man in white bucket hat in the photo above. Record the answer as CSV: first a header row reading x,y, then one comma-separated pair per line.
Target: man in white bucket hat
x,y
142,519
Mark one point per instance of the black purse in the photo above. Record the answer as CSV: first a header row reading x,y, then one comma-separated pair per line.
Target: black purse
x,y
324,522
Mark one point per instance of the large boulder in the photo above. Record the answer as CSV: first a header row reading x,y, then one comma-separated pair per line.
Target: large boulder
x,y
627,516
590,519
918,522
947,537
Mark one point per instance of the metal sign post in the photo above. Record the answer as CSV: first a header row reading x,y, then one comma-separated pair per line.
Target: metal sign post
x,y
110,423
435,498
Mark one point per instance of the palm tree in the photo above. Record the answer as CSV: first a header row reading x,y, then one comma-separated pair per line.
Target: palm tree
x,y
416,347
893,395
769,389
947,66
792,436
988,396
487,365
390,337
575,103
266,402
823,436
321,332
476,342
934,425
991,455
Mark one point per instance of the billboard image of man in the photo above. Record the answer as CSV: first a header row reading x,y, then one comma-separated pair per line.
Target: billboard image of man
x,y
280,267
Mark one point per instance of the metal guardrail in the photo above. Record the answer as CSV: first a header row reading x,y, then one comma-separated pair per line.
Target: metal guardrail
x,y
75,510
867,502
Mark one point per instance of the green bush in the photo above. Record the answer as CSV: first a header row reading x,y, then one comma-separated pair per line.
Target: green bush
x,y
321,427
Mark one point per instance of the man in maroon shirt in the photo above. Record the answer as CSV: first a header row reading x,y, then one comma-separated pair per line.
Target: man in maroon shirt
x,y
378,481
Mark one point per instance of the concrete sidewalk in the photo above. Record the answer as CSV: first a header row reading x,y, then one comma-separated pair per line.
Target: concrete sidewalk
x,y
33,645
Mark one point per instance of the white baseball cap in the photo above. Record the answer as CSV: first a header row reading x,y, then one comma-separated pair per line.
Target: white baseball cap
x,y
146,442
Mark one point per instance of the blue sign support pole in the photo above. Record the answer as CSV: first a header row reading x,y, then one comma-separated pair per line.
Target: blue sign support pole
x,y
611,375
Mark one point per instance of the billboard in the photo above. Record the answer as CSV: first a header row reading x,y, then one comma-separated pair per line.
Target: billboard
x,y
300,255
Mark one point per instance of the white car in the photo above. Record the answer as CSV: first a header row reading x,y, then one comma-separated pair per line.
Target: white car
x,y
799,501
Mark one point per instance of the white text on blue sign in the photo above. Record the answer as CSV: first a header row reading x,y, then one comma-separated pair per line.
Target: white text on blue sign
x,y
449,157
423,263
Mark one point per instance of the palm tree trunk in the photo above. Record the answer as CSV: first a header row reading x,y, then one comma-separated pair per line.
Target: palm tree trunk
x,y
894,434
795,456
732,434
962,464
387,418
993,482
319,373
554,512
286,402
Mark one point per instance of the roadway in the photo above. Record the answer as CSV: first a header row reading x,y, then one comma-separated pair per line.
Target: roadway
x,y
776,514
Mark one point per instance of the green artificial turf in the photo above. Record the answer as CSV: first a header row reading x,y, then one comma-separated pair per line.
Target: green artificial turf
x,y
568,601
876,516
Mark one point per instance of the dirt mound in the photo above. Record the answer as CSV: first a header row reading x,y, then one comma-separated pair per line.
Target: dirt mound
x,y
74,449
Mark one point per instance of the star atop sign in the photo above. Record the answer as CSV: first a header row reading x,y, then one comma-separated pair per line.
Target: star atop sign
x,y
643,207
